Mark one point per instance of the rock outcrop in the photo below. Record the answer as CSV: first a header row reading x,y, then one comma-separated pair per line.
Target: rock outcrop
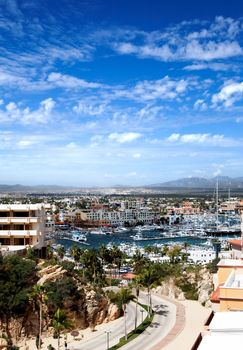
x,y
201,280
84,306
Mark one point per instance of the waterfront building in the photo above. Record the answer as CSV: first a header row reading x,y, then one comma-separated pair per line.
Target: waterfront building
x,y
21,226
229,206
187,208
120,217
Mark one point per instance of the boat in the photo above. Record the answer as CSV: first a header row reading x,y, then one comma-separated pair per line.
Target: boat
x,y
78,236
139,237
97,232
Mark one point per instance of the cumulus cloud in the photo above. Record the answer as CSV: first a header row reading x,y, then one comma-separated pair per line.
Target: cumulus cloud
x,y
213,41
200,105
41,115
229,94
124,137
89,108
161,89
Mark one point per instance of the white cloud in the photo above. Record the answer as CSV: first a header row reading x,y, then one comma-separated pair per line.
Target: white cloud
x,y
212,41
229,94
137,155
210,50
124,137
70,82
200,105
215,66
89,109
42,115
204,139
165,88
173,137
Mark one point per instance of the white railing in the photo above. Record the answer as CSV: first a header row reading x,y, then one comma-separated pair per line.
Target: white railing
x,y
15,219
22,233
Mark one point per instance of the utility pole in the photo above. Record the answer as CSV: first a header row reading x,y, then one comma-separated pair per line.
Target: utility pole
x,y
108,339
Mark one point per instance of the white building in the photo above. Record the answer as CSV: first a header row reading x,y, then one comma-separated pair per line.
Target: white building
x,y
224,332
21,226
119,217
201,256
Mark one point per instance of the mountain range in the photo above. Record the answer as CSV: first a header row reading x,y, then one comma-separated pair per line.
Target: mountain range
x,y
200,182
224,182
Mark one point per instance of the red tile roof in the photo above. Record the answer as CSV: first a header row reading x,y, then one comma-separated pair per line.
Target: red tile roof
x,y
236,242
215,295
128,276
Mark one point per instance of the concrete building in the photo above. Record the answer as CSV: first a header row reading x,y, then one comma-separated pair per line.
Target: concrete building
x,y
120,217
21,226
228,293
201,256
225,331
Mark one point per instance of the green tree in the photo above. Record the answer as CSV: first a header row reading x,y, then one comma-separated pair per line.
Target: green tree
x,y
148,278
16,278
122,299
61,252
93,267
60,323
139,261
76,252
175,254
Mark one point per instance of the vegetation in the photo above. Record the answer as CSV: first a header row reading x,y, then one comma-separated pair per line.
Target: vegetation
x,y
136,332
122,299
60,323
17,276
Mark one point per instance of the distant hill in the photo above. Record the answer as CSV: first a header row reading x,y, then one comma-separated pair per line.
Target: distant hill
x,y
38,188
200,182
187,184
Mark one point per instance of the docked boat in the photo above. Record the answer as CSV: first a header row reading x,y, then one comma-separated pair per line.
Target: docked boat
x,y
97,232
78,236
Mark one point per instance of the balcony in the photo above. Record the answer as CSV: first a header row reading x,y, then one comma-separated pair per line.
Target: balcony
x,y
19,220
18,233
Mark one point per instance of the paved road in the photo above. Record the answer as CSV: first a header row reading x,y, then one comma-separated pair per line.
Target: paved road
x,y
117,328
163,322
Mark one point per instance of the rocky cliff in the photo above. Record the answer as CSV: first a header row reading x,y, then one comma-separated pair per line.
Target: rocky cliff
x,y
83,305
197,285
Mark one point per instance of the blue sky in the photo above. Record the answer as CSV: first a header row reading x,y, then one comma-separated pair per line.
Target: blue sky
x,y
120,92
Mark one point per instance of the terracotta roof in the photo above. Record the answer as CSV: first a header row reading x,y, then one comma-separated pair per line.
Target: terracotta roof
x,y
215,295
128,276
236,242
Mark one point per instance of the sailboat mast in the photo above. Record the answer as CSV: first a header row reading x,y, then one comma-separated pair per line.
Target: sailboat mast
x,y
217,204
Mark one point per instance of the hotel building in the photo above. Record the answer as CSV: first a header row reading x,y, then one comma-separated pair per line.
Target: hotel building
x,y
21,226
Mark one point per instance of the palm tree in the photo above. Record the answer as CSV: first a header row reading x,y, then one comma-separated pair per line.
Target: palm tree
x,y
118,257
92,264
105,254
122,299
147,278
38,297
61,252
136,312
60,323
49,252
76,252
139,261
